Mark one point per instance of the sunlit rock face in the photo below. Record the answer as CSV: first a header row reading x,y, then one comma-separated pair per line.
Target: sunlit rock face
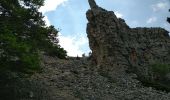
x,y
115,44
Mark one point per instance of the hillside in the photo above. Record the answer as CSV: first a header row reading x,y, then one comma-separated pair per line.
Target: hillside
x,y
77,80
126,64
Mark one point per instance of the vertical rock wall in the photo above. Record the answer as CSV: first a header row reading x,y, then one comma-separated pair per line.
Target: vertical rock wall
x,y
115,44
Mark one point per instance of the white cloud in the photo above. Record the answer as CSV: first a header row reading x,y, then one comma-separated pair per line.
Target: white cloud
x,y
159,6
73,44
119,15
47,22
50,5
151,20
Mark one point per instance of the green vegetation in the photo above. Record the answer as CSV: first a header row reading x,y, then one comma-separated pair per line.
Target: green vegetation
x,y
156,84
23,35
161,69
158,78
168,18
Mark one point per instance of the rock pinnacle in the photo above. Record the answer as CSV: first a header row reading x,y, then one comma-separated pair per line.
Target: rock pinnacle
x,y
92,4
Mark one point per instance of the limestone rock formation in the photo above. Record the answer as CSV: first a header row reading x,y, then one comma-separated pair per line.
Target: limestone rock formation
x,y
115,44
92,4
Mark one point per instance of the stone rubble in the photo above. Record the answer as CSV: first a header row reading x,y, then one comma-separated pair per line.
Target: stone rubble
x,y
78,80
116,49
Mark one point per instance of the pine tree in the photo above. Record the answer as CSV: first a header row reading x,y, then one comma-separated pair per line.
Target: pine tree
x,y
23,34
168,19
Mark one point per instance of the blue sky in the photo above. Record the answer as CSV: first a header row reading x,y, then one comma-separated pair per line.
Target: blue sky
x,y
69,16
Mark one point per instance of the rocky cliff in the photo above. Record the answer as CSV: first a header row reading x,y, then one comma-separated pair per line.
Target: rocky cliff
x,y
121,54
117,47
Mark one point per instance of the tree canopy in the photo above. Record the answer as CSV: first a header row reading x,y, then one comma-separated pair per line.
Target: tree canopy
x,y
168,19
23,35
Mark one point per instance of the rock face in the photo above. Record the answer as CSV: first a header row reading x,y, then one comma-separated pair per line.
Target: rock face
x,y
115,44
92,4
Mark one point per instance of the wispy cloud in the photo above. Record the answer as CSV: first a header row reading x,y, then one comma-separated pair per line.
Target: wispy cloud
x,y
119,15
50,5
151,20
73,44
159,6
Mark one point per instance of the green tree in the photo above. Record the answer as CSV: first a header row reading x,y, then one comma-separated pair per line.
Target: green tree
x,y
23,34
168,19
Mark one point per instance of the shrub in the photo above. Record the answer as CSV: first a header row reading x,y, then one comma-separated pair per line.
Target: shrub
x,y
56,51
158,80
161,69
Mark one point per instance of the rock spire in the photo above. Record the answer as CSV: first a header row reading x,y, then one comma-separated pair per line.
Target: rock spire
x,y
92,4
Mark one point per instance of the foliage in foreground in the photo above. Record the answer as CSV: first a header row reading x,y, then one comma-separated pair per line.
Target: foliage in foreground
x,y
158,78
23,34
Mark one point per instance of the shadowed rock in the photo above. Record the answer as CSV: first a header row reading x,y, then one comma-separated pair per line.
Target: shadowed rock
x,y
117,47
92,4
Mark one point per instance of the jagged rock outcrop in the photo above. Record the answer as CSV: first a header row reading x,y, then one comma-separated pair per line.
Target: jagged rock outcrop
x,y
115,47
92,4
115,44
